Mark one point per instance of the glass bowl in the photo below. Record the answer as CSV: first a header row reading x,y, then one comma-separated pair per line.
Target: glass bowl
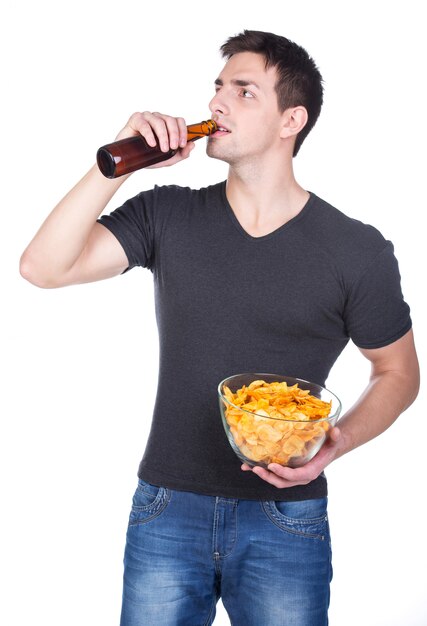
x,y
259,439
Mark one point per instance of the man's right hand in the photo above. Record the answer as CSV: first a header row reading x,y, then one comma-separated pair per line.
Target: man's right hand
x,y
169,132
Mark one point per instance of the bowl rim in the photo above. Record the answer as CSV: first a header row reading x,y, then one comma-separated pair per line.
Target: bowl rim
x,y
279,419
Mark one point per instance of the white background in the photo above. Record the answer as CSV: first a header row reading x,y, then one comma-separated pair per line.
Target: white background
x,y
79,364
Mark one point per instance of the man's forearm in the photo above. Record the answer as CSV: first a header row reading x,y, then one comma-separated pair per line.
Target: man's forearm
x,y
392,388
63,235
386,397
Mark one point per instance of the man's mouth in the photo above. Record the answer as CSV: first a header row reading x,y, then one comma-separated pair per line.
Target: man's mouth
x,y
222,130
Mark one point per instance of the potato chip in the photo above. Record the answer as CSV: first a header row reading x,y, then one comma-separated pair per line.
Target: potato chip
x,y
275,422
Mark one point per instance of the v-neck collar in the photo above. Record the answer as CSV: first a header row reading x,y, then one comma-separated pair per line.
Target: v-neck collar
x,y
274,232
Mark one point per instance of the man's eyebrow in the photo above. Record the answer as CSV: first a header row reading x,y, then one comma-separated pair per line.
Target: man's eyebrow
x,y
238,82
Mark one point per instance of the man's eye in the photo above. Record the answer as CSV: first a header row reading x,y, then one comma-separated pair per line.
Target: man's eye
x,y
247,94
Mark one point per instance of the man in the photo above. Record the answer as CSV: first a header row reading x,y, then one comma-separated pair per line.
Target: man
x,y
252,275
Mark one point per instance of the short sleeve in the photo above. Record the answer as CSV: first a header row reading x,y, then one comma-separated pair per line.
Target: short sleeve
x,y
376,313
133,226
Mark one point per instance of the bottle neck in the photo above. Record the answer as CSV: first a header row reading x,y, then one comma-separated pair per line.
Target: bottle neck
x,y
203,129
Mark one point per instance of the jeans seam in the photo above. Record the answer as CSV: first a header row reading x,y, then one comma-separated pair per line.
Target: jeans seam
x,y
211,612
279,523
217,555
215,529
234,541
153,505
160,503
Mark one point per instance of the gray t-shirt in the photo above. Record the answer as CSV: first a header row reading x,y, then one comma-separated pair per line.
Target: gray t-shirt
x,y
227,303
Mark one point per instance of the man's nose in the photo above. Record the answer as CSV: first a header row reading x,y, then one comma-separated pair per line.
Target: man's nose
x,y
218,104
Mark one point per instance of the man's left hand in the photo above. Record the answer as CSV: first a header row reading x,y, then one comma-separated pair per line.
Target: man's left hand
x,y
281,477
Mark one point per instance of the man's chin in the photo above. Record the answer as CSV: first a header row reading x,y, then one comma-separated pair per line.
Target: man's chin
x,y
214,154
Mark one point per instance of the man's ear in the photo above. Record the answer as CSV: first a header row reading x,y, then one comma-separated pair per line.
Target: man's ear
x,y
294,120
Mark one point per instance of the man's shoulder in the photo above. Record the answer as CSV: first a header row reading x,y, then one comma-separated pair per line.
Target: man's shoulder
x,y
340,231
349,244
328,217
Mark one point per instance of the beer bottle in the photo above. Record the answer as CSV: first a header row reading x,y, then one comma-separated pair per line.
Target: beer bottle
x,y
133,153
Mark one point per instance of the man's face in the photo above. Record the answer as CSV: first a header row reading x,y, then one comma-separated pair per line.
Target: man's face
x,y
245,104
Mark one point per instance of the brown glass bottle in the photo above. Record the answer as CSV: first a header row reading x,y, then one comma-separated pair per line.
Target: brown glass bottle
x,y
127,155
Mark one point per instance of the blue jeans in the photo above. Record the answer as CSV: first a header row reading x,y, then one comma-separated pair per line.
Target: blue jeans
x,y
270,562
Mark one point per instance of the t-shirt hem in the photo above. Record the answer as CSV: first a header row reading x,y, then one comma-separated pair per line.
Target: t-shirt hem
x,y
314,490
385,342
122,241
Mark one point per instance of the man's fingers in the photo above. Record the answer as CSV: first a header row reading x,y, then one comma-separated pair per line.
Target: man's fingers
x,y
273,478
185,152
281,476
335,434
297,476
159,123
170,131
139,123
156,128
182,131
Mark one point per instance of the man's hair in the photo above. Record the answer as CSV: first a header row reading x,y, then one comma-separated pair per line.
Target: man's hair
x,y
299,81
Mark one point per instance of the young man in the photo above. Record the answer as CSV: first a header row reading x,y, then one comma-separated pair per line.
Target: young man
x,y
252,274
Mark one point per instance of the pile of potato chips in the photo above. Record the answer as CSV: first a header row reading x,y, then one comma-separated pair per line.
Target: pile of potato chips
x,y
286,439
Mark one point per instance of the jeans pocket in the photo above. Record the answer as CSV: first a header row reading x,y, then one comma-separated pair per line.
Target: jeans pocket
x,y
148,502
307,518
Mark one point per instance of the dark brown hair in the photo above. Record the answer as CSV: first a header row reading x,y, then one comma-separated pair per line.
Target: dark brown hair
x,y
299,81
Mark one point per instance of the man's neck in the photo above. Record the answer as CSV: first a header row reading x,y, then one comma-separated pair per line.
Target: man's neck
x,y
263,199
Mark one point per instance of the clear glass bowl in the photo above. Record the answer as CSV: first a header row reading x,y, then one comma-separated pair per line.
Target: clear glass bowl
x,y
259,440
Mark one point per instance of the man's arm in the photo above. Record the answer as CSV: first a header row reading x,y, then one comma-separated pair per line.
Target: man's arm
x,y
71,247
393,386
